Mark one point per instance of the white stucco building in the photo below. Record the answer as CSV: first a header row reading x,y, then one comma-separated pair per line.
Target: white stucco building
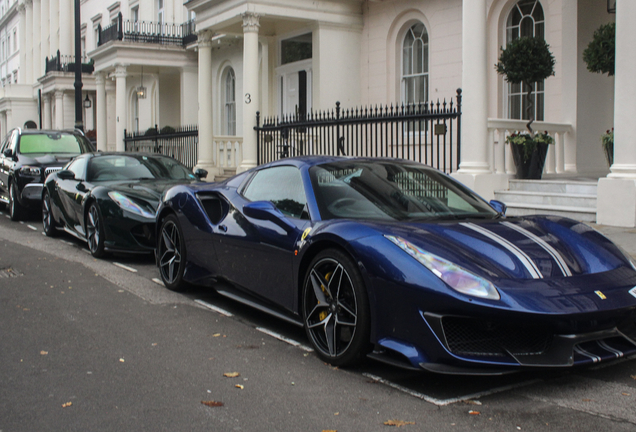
x,y
285,56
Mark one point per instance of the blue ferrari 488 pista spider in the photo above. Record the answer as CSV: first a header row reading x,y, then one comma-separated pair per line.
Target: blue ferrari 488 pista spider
x,y
398,261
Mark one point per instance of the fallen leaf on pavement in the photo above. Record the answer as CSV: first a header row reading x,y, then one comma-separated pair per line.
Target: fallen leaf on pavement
x,y
329,430
633,376
216,335
67,404
626,394
231,374
471,412
397,423
122,360
44,352
239,386
212,403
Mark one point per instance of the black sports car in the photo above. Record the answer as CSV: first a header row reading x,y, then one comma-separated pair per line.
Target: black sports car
x,y
109,199
27,157
397,260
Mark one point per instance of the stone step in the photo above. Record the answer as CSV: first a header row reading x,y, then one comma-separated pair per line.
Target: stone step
x,y
547,198
577,213
225,174
554,186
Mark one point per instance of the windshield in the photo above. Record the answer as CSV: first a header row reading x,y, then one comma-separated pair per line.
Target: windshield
x,y
53,143
392,190
141,167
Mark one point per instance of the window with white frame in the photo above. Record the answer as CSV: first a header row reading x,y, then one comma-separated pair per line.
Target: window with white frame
x,y
160,11
526,19
229,102
415,65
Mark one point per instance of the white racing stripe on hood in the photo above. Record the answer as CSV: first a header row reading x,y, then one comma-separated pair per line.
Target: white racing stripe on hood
x,y
549,249
521,255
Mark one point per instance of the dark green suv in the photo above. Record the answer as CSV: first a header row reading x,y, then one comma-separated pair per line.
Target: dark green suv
x,y
27,157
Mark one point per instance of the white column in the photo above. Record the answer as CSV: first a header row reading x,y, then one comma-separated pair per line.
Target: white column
x,y
46,114
38,71
54,12
59,109
120,106
251,93
45,49
28,46
475,89
23,31
189,93
474,169
616,199
100,106
206,133
66,27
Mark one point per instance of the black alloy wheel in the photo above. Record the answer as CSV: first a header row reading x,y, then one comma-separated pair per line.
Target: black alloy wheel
x,y
16,210
95,231
49,226
336,309
171,253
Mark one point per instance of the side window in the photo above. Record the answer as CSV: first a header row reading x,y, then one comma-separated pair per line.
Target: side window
x,y
78,166
283,186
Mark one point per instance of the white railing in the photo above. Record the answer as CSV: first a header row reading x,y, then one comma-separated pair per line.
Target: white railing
x,y
228,151
501,157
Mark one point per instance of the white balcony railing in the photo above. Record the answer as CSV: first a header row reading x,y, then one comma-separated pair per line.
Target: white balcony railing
x,y
501,156
228,151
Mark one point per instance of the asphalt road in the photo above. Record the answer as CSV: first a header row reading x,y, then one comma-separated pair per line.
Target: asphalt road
x,y
93,346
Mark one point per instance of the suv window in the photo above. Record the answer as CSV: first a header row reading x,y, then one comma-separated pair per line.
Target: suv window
x,y
283,186
51,143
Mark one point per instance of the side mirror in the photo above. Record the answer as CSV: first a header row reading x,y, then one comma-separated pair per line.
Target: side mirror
x,y
499,207
265,210
66,175
8,152
200,173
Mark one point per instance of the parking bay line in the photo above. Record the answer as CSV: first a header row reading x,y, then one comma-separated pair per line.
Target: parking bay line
x,y
444,402
125,267
214,308
284,339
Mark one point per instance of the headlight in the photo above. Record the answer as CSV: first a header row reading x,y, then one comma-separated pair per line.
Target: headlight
x,y
453,275
30,170
127,204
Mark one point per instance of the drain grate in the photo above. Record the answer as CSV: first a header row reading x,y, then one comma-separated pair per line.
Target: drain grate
x,y
9,273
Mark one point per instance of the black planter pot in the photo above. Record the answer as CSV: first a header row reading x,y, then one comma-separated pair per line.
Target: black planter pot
x,y
532,167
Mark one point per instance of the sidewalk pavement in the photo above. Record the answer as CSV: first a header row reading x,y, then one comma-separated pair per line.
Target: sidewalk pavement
x,y
624,237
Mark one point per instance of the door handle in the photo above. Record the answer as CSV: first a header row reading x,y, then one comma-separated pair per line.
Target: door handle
x,y
223,228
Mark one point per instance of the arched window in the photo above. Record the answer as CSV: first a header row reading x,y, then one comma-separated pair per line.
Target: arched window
x,y
229,103
526,19
415,65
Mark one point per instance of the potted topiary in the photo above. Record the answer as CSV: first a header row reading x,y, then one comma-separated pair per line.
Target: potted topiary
x,y
525,61
600,58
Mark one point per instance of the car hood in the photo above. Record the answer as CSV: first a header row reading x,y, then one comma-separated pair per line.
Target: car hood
x,y
46,159
150,191
516,248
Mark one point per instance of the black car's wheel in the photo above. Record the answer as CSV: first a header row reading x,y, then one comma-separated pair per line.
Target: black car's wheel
x,y
16,210
336,309
48,222
171,253
95,231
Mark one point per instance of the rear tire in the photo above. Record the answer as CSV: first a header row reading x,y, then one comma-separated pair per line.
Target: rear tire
x,y
172,254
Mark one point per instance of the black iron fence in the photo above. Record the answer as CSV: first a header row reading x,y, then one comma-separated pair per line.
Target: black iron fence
x,y
180,143
428,132
148,32
66,63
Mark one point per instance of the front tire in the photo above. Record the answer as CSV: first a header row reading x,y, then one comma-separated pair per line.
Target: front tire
x,y
171,253
49,226
95,234
16,210
336,309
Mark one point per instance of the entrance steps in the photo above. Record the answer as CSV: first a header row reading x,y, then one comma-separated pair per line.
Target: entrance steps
x,y
572,198
225,174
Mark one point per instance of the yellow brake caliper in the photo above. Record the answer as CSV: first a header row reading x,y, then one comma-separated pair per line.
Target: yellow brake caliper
x,y
323,315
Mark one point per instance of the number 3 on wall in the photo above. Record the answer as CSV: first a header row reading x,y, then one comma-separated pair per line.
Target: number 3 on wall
x,y
248,98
